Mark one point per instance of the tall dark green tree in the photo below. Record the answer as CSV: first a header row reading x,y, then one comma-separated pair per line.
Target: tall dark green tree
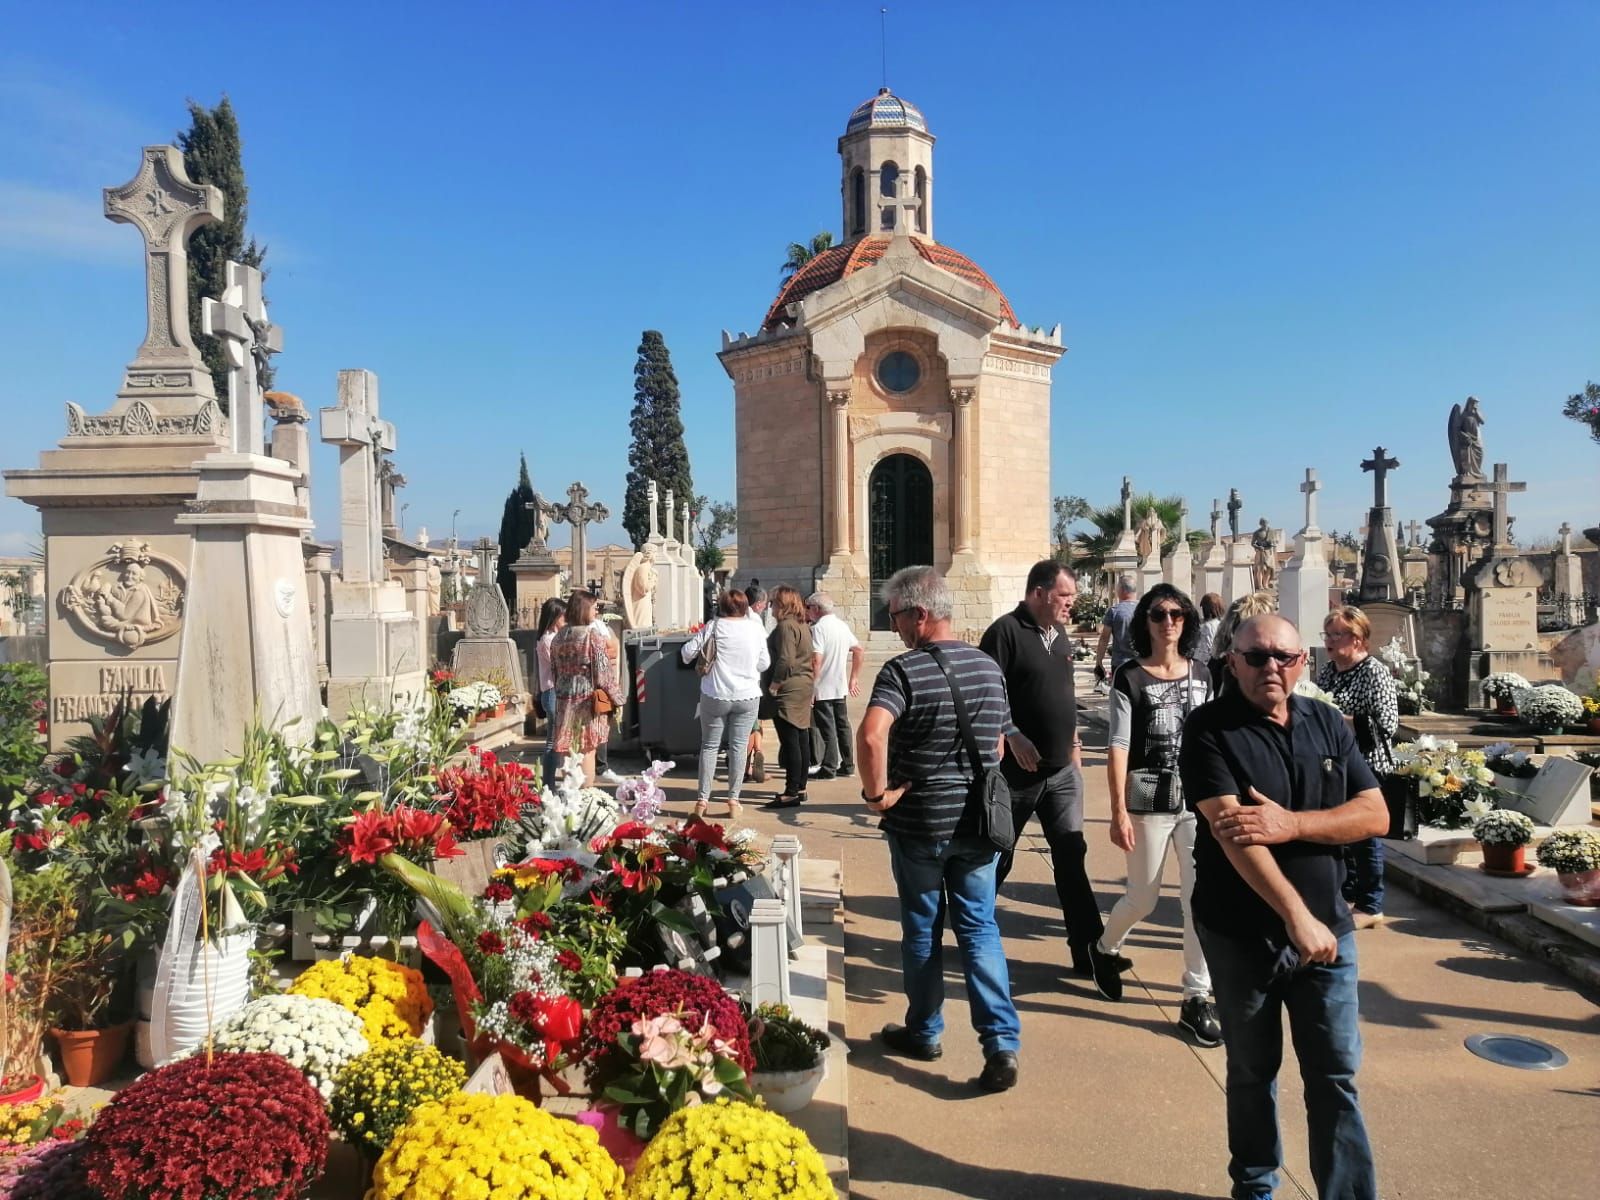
x,y
516,531
657,451
211,154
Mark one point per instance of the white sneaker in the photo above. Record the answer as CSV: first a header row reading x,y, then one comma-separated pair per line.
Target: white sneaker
x,y
611,778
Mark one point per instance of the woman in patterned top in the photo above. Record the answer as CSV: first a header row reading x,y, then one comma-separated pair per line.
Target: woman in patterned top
x,y
1364,690
1151,698
580,659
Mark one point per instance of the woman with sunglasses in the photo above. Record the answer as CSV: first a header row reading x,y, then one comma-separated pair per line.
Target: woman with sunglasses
x,y
1151,698
1364,690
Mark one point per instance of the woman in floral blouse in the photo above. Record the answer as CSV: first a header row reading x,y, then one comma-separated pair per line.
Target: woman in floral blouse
x,y
581,660
1364,690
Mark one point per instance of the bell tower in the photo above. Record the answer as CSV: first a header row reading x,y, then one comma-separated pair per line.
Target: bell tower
x,y
886,155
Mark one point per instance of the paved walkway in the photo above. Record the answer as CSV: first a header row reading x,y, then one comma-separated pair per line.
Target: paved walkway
x,y
1113,1103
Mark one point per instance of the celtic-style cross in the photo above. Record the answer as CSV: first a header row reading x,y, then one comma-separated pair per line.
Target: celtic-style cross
x,y
578,513
239,321
1380,464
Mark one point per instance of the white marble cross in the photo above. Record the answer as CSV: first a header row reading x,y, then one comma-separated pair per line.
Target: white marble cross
x,y
362,437
1566,537
654,495
1502,489
1311,487
239,321
672,500
163,204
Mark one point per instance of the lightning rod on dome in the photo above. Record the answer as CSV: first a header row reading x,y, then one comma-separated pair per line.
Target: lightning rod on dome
x,y
883,44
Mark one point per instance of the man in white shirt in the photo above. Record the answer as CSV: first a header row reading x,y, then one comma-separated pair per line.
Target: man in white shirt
x,y
836,658
757,596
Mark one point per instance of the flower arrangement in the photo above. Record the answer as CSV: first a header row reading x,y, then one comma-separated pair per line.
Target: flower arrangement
x,y
566,820
484,797
316,1036
1571,851
642,795
178,1132
1549,707
547,897
692,999
472,698
1503,827
781,1041
729,1149
1411,682
1503,685
664,1063
46,1171
1454,786
35,1121
501,1146
390,998
380,1089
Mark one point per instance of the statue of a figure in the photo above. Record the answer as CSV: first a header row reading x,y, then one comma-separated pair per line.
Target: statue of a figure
x,y
1466,442
1235,504
435,587
1152,533
1264,571
639,589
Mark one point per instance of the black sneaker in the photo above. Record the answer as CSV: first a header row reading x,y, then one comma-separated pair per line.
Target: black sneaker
x,y
1199,1016
1107,975
1083,965
999,1072
824,773
898,1038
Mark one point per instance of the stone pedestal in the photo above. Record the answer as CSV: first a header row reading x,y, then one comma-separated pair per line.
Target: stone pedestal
x,y
246,651
1236,571
1178,569
538,579
1502,622
1149,573
376,656
1210,570
1303,587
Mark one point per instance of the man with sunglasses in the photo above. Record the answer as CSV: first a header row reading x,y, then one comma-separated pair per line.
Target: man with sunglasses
x,y
1282,787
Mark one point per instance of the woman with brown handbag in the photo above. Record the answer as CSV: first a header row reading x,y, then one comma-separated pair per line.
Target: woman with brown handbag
x,y
729,652
586,682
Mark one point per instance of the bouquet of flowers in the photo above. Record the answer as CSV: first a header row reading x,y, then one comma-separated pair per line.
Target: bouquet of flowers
x,y
486,796
472,698
1504,759
470,1144
1410,680
380,1089
1454,787
733,1149
1549,708
1571,851
390,999
1503,827
180,1131
565,821
317,1037
1503,685
373,838
642,795
548,897
662,1064
692,1000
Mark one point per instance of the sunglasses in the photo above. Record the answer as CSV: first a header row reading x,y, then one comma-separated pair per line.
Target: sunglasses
x,y
1166,614
1258,658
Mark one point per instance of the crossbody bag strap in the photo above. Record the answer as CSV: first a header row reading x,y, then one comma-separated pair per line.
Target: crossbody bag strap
x,y
962,720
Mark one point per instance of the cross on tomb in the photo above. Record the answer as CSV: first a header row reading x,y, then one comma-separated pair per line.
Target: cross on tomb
x,y
1566,537
1502,489
1216,517
1127,503
363,438
239,321
1183,521
1311,487
1380,464
667,523
654,496
165,207
578,513
488,556
1416,532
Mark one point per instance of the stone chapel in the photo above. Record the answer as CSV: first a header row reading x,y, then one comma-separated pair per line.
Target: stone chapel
x,y
891,410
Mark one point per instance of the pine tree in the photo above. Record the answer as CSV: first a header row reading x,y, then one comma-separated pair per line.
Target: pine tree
x,y
211,154
516,531
657,451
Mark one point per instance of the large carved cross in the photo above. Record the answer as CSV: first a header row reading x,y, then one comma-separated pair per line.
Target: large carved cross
x,y
1566,537
578,513
1311,487
239,321
363,438
1380,464
488,556
1502,489
1416,532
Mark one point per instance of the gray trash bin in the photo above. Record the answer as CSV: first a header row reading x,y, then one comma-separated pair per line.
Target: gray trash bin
x,y
667,693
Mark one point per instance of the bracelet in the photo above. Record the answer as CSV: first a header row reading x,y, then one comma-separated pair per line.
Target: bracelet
x,y
871,799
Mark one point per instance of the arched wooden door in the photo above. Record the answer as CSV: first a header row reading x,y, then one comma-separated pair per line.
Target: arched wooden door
x,y
901,522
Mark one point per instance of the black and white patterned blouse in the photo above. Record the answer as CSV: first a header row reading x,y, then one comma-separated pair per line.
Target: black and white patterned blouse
x,y
1367,692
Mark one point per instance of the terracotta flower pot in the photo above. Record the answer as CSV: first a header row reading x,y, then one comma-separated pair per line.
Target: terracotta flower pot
x,y
1505,708
91,1056
21,1089
1504,859
1594,724
1580,887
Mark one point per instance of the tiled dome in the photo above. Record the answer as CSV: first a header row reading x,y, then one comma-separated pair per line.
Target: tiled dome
x,y
886,111
833,265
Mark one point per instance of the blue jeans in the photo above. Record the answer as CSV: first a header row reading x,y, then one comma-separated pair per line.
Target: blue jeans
x,y
1363,875
548,760
737,718
958,872
1252,990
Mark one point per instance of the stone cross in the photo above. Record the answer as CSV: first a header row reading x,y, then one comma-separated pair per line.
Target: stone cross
x,y
1216,517
578,512
1311,487
488,558
1502,489
1380,464
363,438
239,321
688,526
1183,521
1416,532
1235,504
672,499
163,204
654,495
1127,503
1566,537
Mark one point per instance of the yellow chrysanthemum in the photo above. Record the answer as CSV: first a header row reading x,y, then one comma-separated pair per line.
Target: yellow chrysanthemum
x,y
391,1000
381,1088
729,1149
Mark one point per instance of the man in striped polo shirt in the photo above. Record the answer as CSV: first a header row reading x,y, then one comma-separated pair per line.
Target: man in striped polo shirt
x,y
915,770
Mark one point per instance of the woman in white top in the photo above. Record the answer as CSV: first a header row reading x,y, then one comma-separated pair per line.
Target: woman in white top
x,y
1151,698
730,692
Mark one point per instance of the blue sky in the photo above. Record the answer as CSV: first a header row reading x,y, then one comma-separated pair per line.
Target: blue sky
x,y
1273,235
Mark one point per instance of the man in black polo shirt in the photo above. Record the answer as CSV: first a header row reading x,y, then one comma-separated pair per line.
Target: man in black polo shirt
x,y
1045,763
1282,787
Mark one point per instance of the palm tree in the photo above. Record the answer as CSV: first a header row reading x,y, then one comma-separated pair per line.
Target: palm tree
x,y
1090,550
800,254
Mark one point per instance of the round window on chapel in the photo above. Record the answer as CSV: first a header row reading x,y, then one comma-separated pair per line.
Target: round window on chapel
x,y
898,371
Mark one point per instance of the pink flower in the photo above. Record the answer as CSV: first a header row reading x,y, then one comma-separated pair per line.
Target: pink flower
x,y
661,1041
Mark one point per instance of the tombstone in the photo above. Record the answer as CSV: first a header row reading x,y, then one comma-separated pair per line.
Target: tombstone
x,y
377,659
1178,567
1558,795
677,596
246,650
1305,583
1210,569
1123,558
537,574
1239,559
689,577
488,649
1566,578
1502,592
116,563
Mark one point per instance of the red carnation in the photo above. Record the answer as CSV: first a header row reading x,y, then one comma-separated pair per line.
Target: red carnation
x,y
490,942
570,959
498,891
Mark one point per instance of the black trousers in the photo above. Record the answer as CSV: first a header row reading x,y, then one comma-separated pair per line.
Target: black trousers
x,y
1057,796
794,755
830,726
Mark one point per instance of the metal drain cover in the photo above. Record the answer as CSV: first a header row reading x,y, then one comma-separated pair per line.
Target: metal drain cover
x,y
1514,1050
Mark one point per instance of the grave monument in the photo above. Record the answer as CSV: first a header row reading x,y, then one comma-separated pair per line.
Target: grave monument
x,y
1304,586
1123,558
1502,600
1178,567
1381,594
1465,528
1237,578
537,574
1209,570
488,649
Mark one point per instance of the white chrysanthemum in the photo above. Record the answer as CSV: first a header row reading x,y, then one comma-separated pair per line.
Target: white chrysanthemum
x,y
318,1036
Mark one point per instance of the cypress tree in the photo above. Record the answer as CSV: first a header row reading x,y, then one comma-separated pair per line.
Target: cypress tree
x,y
211,154
516,531
657,451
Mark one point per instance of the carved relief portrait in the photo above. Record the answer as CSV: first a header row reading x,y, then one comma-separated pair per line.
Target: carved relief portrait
x,y
131,597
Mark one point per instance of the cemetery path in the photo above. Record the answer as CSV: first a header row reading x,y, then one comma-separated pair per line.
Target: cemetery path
x,y
1114,1104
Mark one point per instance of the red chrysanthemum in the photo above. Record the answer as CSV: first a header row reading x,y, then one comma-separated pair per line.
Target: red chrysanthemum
x,y
656,994
490,942
497,891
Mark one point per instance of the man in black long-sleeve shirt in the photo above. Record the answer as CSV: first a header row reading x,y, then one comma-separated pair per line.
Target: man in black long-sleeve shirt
x,y
1044,760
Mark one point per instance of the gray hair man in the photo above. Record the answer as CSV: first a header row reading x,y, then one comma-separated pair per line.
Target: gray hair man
x,y
915,770
1114,629
836,658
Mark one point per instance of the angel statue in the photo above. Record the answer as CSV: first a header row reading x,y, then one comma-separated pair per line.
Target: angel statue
x,y
1466,442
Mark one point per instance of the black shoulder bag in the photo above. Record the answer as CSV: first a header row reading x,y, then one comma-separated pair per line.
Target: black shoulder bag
x,y
989,791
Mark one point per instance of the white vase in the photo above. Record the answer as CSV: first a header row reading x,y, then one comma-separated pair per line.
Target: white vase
x,y
223,968
789,1091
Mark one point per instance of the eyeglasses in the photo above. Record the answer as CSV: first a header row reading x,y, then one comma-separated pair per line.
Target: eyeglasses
x,y
1166,614
1258,658
896,613
1337,635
